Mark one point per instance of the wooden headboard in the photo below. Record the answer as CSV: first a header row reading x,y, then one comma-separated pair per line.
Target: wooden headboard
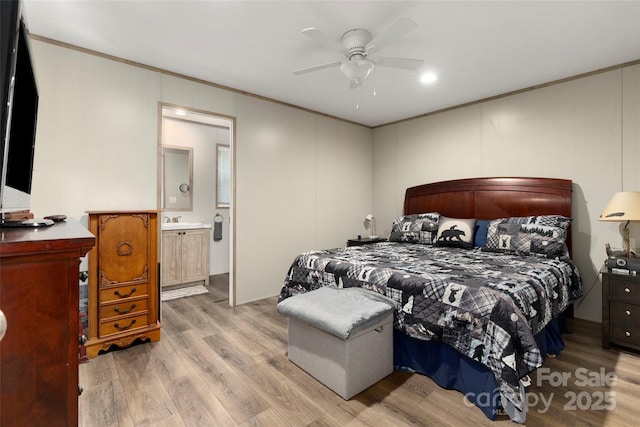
x,y
491,198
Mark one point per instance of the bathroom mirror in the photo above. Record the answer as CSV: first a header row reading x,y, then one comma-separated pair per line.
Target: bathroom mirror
x,y
177,192
223,176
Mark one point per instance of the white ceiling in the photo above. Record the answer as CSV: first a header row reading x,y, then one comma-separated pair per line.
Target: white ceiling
x,y
478,49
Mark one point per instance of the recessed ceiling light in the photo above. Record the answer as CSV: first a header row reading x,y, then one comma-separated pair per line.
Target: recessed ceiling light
x,y
428,78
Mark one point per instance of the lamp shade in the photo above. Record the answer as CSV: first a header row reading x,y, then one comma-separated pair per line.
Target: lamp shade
x,y
370,223
624,206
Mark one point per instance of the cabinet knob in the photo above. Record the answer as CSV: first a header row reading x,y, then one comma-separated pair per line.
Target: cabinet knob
x,y
627,312
627,290
3,325
627,333
82,339
80,390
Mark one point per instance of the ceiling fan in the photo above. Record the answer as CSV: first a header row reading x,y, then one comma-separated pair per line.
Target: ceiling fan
x,y
357,44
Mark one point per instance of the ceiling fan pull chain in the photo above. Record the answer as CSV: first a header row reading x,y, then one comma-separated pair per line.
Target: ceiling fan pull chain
x,y
374,81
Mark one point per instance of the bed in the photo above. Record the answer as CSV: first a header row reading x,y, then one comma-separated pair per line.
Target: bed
x,y
481,273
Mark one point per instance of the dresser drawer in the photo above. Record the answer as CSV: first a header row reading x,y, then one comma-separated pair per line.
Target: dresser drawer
x,y
125,306
625,322
123,324
118,293
624,290
625,336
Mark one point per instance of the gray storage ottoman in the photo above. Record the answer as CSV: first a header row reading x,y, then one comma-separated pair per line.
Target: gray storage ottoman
x,y
342,337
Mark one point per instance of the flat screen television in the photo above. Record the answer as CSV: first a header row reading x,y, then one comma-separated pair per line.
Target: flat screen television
x,y
19,110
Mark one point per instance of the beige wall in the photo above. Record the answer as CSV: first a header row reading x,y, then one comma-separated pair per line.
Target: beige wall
x,y
303,181
585,130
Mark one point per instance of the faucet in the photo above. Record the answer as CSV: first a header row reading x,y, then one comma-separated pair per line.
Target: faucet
x,y
175,218
167,219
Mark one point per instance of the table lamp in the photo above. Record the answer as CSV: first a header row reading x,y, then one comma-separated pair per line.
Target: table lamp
x,y
370,223
623,207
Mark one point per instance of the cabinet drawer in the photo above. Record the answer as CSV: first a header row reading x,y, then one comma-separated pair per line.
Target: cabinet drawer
x,y
126,306
623,290
625,322
123,324
121,292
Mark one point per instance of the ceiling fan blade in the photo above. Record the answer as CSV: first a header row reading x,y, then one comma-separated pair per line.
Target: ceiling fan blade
x,y
391,34
403,63
321,37
317,67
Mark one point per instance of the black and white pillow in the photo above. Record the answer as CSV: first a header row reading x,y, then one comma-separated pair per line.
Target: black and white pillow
x,y
415,228
455,232
543,236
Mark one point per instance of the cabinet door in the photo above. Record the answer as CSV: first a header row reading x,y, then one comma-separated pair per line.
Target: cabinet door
x,y
171,258
195,255
123,248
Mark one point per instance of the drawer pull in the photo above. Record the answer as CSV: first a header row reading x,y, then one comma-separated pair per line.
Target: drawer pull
x,y
124,328
627,312
627,290
117,309
627,333
117,293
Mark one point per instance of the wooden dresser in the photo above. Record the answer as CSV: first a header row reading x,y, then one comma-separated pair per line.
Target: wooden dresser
x,y
39,285
620,310
123,279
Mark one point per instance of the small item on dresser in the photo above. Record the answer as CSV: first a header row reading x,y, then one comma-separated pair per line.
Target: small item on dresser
x,y
56,218
623,265
18,215
27,223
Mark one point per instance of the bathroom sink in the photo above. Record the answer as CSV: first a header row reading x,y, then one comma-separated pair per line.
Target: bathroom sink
x,y
183,225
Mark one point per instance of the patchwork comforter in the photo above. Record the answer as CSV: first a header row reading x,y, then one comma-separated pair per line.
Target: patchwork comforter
x,y
488,306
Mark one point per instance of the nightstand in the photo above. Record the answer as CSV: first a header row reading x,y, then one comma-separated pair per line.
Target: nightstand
x,y
365,241
620,309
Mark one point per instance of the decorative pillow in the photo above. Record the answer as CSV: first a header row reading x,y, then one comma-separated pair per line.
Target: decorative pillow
x,y
455,232
416,228
543,236
481,230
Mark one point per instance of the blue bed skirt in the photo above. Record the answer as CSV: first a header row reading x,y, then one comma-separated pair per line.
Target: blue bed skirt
x,y
452,370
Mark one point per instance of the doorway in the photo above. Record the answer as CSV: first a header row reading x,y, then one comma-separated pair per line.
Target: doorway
x,y
211,189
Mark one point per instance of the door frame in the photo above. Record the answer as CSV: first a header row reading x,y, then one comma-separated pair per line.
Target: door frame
x,y
231,121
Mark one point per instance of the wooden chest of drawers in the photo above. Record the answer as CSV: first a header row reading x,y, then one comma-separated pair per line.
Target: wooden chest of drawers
x,y
123,279
39,271
620,310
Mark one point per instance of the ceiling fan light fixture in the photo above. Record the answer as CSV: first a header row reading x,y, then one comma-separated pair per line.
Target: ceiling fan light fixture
x,y
356,69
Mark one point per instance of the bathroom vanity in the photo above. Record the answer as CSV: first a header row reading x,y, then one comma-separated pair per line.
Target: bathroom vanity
x,y
185,253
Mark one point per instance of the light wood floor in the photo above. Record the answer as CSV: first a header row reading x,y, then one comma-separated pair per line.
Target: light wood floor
x,y
217,365
219,287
